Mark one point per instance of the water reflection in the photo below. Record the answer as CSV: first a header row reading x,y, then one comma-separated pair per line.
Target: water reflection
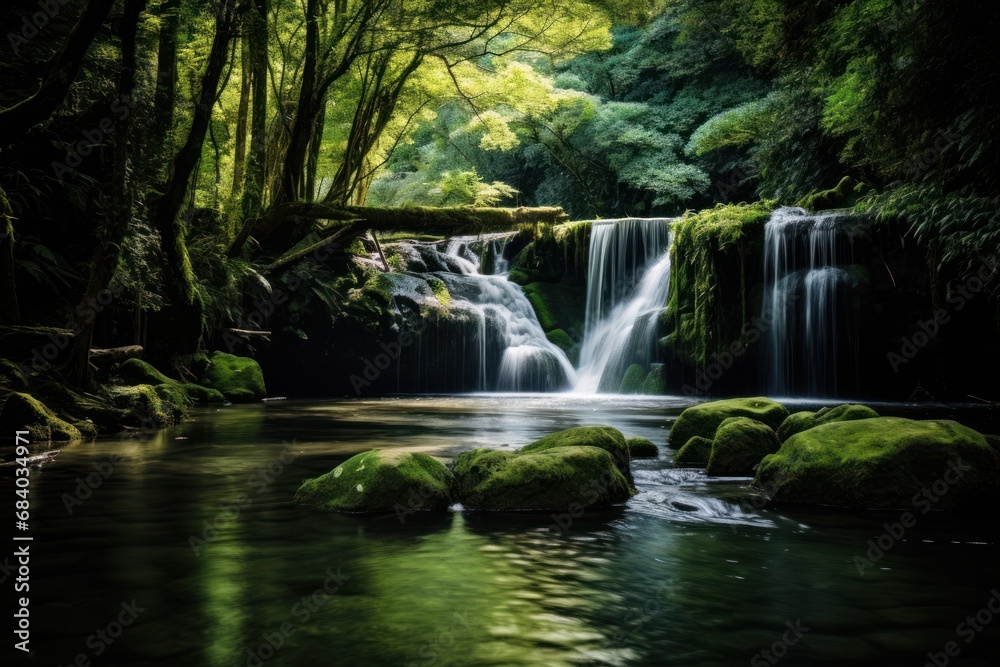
x,y
684,574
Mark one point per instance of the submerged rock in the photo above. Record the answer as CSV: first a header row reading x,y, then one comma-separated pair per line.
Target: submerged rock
x,y
239,379
884,463
695,453
604,437
803,421
704,419
559,478
740,443
23,412
642,448
380,481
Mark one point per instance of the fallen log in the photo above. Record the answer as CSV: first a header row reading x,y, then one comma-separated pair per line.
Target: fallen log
x,y
115,354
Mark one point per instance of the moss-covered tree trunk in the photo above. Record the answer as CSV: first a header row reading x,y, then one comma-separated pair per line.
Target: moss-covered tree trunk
x,y
177,328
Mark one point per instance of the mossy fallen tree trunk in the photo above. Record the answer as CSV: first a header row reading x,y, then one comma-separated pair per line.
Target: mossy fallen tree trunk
x,y
445,220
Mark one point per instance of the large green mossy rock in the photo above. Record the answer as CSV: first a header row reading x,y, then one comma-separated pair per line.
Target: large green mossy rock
x,y
694,454
380,480
604,437
141,406
561,478
239,379
639,448
740,443
203,395
803,421
705,418
632,380
23,412
561,339
137,371
884,463
656,381
558,306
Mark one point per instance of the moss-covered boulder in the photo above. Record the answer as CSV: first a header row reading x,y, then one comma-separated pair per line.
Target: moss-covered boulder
x,y
239,379
604,437
203,395
137,371
23,412
632,380
655,382
642,448
740,443
803,421
694,454
560,478
141,406
884,463
562,340
380,480
705,418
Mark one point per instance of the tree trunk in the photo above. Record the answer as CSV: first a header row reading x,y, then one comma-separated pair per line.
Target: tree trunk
x,y
166,85
106,256
179,326
239,158
253,189
59,74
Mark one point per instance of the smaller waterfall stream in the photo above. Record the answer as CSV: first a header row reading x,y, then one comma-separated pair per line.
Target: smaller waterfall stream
x,y
485,336
627,284
811,297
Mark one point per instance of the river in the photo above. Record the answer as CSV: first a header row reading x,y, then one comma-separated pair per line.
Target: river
x,y
193,531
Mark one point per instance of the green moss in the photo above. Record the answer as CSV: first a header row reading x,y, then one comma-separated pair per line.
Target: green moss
x,y
23,412
380,481
694,454
642,448
141,406
803,421
884,463
561,339
705,418
558,306
555,479
11,376
740,443
137,371
173,398
656,381
440,290
203,395
715,260
845,195
603,437
632,380
239,379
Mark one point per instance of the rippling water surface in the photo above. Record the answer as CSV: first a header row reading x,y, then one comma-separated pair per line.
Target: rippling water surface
x,y
195,525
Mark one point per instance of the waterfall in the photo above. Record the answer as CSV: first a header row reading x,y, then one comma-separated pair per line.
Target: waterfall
x,y
484,335
627,281
811,302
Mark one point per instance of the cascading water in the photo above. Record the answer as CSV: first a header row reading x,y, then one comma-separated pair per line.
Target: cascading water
x,y
477,332
811,302
627,282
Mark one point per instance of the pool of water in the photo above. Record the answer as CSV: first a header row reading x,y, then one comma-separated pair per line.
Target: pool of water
x,y
188,539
